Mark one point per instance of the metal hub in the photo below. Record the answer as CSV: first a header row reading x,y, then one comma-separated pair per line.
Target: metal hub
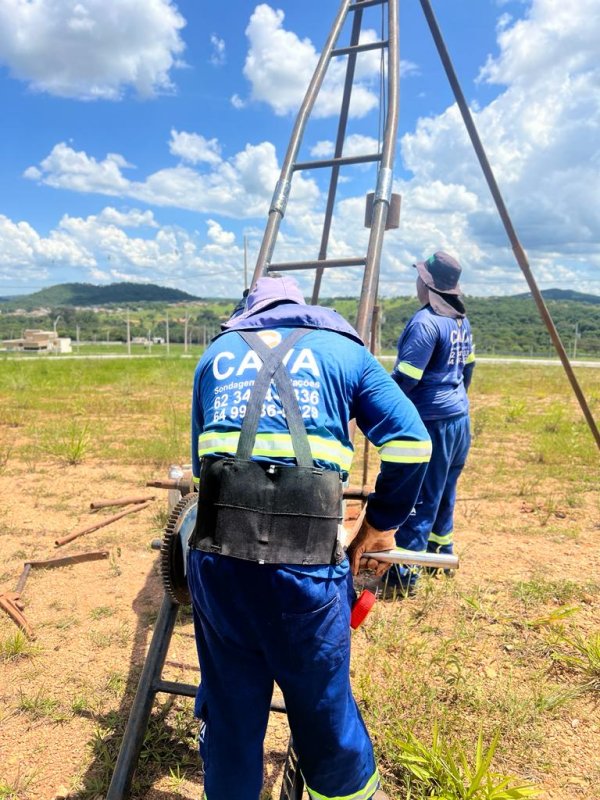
x,y
174,549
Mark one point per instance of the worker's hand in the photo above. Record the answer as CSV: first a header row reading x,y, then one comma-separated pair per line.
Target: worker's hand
x,y
369,539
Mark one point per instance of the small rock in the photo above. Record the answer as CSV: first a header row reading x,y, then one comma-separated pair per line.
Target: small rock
x,y
61,793
574,723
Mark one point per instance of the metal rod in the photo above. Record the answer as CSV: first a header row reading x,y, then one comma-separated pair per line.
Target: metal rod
x,y
278,204
181,689
384,181
339,147
518,251
399,556
141,709
360,48
337,162
366,4
333,262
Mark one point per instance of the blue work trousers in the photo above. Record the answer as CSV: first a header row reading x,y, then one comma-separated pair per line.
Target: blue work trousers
x,y
259,623
430,525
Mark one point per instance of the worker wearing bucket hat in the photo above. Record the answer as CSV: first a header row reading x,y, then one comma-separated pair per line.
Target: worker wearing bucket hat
x,y
434,368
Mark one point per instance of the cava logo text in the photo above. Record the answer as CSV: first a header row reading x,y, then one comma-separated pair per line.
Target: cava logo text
x,y
224,365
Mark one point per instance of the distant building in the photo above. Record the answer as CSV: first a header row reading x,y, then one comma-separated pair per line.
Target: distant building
x,y
36,341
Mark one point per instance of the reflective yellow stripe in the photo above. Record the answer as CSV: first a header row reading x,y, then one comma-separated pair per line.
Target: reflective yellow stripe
x,y
470,358
408,369
447,539
196,480
363,794
405,452
276,445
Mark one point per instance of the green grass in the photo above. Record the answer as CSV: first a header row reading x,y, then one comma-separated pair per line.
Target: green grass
x,y
16,646
444,769
460,680
40,705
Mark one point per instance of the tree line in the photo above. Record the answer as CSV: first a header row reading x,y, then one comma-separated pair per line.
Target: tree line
x,y
501,325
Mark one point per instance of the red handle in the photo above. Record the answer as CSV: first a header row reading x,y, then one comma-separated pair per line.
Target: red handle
x,y
361,608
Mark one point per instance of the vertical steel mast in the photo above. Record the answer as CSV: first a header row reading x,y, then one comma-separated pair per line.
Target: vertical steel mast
x,y
385,158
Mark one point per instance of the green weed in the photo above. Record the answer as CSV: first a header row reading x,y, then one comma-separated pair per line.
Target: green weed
x,y
540,590
80,705
102,611
16,646
515,411
580,655
15,788
40,705
69,445
443,770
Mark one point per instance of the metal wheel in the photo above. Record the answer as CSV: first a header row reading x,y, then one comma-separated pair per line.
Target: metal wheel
x,y
173,551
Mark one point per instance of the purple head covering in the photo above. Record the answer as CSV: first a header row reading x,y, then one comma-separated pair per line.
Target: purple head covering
x,y
268,292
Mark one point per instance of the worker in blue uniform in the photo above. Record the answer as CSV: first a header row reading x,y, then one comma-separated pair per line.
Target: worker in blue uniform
x,y
434,367
270,581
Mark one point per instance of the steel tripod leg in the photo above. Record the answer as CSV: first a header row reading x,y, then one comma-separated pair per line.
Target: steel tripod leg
x,y
141,709
292,787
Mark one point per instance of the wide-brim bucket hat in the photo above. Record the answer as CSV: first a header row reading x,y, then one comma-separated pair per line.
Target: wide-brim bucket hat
x,y
440,272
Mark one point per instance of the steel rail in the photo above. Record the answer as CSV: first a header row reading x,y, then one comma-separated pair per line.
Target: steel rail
x,y
383,192
339,147
518,250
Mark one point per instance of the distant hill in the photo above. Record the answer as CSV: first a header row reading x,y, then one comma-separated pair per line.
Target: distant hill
x,y
564,294
86,294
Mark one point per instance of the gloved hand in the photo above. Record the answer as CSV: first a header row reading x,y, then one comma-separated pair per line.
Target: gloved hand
x,y
369,539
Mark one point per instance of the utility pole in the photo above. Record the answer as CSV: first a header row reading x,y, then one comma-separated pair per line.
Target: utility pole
x,y
77,334
167,333
575,340
185,332
128,335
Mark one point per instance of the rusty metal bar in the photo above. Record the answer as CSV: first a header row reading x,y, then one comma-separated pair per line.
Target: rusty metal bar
x,y
518,251
101,524
122,501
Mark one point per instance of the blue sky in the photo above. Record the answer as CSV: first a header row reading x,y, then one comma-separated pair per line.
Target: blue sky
x,y
142,139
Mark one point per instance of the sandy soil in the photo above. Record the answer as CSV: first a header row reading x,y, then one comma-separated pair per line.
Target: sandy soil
x,y
93,622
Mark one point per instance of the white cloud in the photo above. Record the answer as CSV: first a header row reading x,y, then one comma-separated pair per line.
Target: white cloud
x,y
356,144
99,249
218,56
322,149
194,148
218,235
241,186
541,133
279,66
542,138
91,49
238,102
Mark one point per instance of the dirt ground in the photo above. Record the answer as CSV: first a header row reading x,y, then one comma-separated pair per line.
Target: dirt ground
x,y
93,623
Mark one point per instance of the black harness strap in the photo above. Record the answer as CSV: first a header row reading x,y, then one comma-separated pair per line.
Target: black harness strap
x,y
273,369
264,511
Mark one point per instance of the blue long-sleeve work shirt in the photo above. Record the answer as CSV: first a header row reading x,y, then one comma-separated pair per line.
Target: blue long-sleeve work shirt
x,y
335,379
435,363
